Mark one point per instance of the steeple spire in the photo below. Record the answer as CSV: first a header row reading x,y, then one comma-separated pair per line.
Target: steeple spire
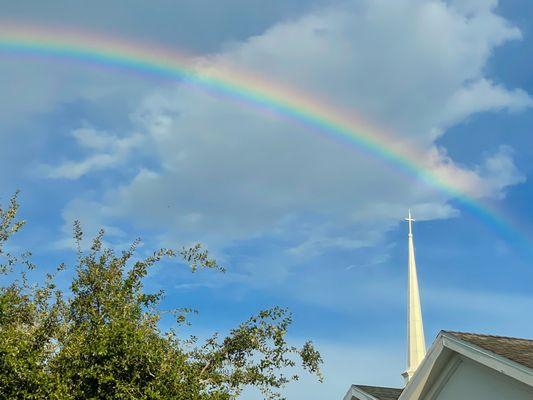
x,y
416,344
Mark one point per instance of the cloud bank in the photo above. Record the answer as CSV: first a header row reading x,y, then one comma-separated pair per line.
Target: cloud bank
x,y
226,173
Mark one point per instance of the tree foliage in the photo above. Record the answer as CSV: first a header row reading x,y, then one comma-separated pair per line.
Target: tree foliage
x,y
101,339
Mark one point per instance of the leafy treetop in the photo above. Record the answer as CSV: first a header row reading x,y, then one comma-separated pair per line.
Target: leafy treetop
x,y
102,339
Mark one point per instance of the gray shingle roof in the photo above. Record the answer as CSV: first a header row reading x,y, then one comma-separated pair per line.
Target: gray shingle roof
x,y
381,393
514,349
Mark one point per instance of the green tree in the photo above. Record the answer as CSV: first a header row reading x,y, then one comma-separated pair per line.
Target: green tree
x,y
29,321
102,340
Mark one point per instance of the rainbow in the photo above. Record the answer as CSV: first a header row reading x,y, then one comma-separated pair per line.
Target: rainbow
x,y
251,90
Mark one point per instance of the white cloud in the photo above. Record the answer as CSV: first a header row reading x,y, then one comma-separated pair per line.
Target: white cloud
x,y
226,172
483,95
107,151
487,180
499,171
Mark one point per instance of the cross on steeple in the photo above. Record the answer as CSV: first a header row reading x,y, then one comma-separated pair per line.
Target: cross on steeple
x,y
410,220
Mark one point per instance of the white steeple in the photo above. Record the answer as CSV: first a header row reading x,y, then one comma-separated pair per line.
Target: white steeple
x,y
416,344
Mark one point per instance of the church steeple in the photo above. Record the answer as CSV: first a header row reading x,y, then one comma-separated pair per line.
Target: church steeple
x,y
416,344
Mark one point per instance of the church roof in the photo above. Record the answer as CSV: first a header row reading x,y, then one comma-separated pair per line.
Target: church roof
x,y
381,393
514,349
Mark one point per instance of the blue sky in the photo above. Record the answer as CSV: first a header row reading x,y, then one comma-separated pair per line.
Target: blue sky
x,y
298,220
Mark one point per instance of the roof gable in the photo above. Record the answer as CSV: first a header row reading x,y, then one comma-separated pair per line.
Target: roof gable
x,y
381,393
500,354
363,392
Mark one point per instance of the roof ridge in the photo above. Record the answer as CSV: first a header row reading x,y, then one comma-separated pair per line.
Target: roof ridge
x,y
487,335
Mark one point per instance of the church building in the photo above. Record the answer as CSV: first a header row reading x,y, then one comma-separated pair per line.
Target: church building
x,y
458,366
